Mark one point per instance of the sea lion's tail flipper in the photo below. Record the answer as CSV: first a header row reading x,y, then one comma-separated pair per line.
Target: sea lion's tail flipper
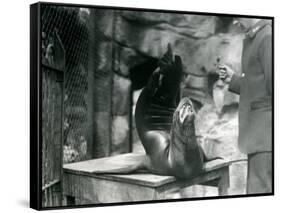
x,y
208,159
205,157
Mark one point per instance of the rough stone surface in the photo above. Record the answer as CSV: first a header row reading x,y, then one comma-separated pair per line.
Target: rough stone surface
x,y
194,38
120,135
150,33
121,96
218,134
128,58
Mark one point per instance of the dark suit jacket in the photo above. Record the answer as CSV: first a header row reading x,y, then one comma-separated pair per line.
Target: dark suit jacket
x,y
255,89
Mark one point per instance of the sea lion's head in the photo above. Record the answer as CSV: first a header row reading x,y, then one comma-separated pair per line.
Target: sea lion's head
x,y
185,114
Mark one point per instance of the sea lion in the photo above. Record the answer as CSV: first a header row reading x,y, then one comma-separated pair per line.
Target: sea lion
x,y
165,124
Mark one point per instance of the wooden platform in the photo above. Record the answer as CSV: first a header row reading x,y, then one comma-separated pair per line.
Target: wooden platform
x,y
85,183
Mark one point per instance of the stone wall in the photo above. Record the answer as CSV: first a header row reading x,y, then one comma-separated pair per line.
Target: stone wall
x,y
197,39
202,42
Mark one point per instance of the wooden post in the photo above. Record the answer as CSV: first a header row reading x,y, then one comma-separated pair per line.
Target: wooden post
x,y
69,200
91,84
223,184
103,81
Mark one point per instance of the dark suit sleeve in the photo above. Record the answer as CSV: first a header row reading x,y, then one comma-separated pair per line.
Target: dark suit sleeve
x,y
234,85
265,57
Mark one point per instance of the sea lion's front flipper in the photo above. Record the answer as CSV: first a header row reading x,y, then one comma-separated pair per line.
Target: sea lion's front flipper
x,y
153,83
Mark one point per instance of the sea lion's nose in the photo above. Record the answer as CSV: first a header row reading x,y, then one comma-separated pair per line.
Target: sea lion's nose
x,y
189,108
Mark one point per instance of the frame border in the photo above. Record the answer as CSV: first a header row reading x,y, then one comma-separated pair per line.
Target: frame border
x,y
36,105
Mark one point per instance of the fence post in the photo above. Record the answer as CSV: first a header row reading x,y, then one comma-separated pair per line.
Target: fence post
x,y
103,81
91,85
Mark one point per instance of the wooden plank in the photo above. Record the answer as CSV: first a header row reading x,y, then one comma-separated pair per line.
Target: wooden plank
x,y
96,168
216,164
144,179
99,166
50,184
105,165
87,189
85,181
90,190
182,183
115,163
149,180
211,183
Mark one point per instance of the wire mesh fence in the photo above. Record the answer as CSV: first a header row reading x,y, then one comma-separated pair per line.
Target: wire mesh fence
x,y
95,98
65,102
71,25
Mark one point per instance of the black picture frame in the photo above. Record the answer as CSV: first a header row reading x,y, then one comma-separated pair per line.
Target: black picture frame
x,y
36,102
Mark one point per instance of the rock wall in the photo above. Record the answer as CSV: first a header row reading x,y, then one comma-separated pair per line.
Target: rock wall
x,y
121,115
202,42
143,35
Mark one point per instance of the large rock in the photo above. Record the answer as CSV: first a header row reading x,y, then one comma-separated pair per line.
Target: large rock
x,y
191,36
121,96
104,23
120,135
226,47
121,109
196,87
128,58
149,33
218,134
142,35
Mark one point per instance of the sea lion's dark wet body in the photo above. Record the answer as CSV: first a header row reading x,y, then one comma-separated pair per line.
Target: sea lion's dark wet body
x,y
166,126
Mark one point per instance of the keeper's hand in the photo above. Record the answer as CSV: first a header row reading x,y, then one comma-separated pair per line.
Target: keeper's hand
x,y
225,73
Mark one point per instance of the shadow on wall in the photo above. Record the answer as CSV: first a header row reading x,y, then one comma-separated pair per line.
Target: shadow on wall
x,y
140,74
